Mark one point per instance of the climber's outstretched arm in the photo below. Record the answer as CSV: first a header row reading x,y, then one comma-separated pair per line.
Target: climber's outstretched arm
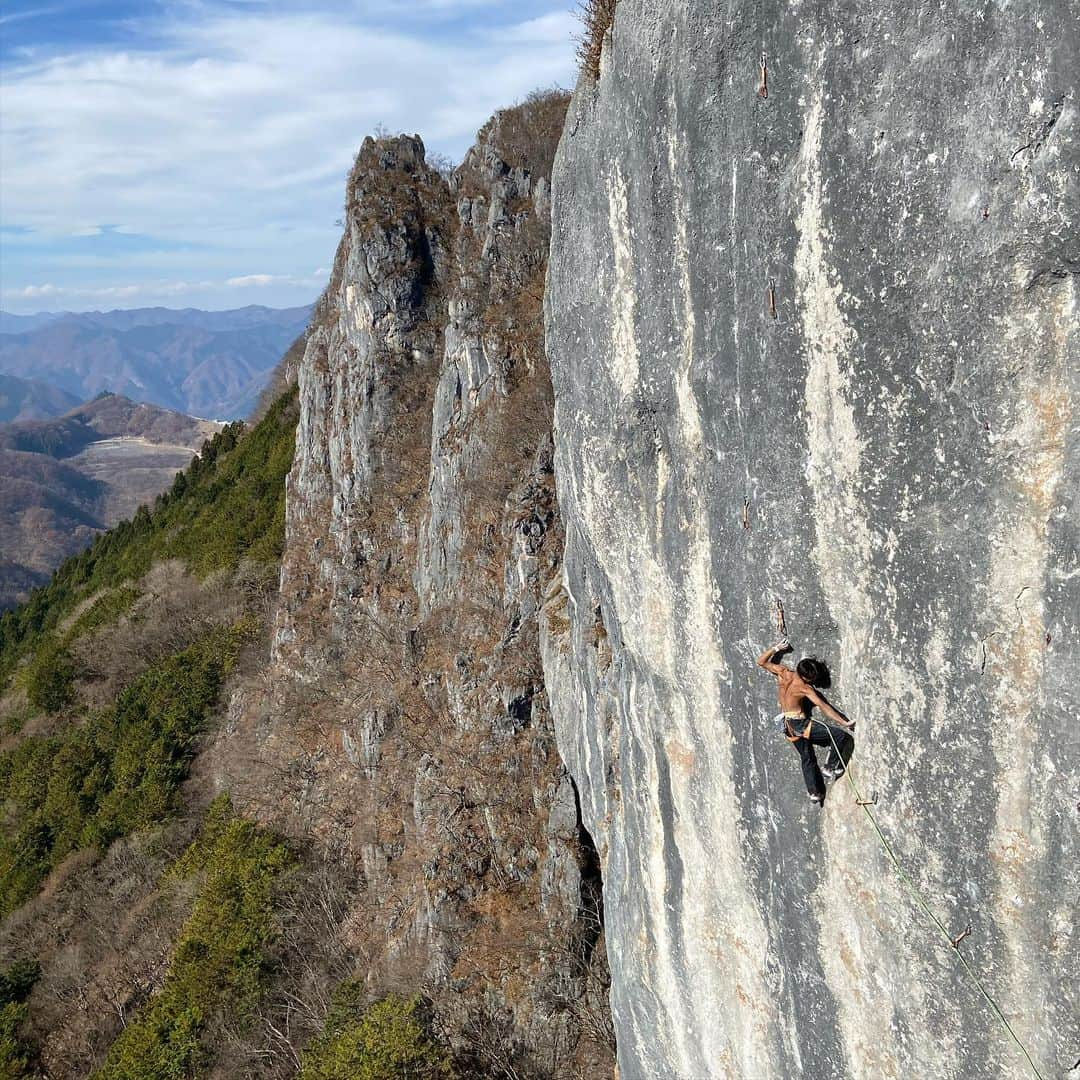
x,y
767,659
834,715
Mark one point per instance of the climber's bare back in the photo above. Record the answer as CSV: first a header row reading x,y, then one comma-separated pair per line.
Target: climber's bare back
x,y
796,694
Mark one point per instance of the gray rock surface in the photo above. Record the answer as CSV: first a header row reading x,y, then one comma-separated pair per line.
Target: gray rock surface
x,y
903,430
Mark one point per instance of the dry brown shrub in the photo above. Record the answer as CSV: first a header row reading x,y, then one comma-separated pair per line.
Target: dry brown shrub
x,y
387,190
308,962
174,610
102,931
597,17
527,135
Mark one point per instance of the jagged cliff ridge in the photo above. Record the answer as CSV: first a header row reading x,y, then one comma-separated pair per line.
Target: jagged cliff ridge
x,y
406,725
905,199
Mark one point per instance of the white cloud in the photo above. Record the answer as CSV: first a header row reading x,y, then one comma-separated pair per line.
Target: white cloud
x,y
407,8
240,116
234,135
35,292
49,291
148,290
34,13
555,28
252,279
262,281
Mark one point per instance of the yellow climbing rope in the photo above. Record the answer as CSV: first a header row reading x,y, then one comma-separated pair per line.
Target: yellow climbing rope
x,y
920,900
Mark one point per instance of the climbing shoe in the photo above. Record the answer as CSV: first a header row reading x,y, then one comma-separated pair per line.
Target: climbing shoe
x,y
833,774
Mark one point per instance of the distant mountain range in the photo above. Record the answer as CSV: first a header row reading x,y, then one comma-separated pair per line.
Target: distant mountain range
x,y
65,479
212,364
27,399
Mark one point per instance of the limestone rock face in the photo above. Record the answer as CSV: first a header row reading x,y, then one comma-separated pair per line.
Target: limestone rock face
x,y
365,383
409,726
821,347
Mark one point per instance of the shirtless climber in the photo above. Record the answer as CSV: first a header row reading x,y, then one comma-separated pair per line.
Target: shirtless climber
x,y
797,697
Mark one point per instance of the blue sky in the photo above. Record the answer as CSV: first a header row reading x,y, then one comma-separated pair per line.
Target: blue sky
x,y
193,154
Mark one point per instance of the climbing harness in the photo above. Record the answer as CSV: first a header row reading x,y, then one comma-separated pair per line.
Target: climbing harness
x,y
793,734
783,725
954,942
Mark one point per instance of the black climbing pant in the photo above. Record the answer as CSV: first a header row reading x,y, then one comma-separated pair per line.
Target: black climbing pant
x,y
820,736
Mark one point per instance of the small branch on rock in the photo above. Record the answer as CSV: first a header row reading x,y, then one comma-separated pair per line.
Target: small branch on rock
x,y
985,655
763,89
781,624
1040,137
960,937
772,299
746,512
872,801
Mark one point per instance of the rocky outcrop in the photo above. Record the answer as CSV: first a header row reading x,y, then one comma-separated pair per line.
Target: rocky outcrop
x,y
408,725
814,339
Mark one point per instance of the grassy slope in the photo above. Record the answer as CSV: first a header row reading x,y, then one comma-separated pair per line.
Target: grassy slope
x,y
118,771
219,964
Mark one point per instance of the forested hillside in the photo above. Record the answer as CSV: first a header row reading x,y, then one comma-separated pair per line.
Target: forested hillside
x,y
27,399
212,364
111,674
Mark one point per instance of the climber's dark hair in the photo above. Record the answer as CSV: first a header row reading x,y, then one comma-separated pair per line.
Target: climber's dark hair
x,y
813,671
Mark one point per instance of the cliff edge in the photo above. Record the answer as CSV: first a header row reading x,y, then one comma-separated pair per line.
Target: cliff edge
x,y
812,321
